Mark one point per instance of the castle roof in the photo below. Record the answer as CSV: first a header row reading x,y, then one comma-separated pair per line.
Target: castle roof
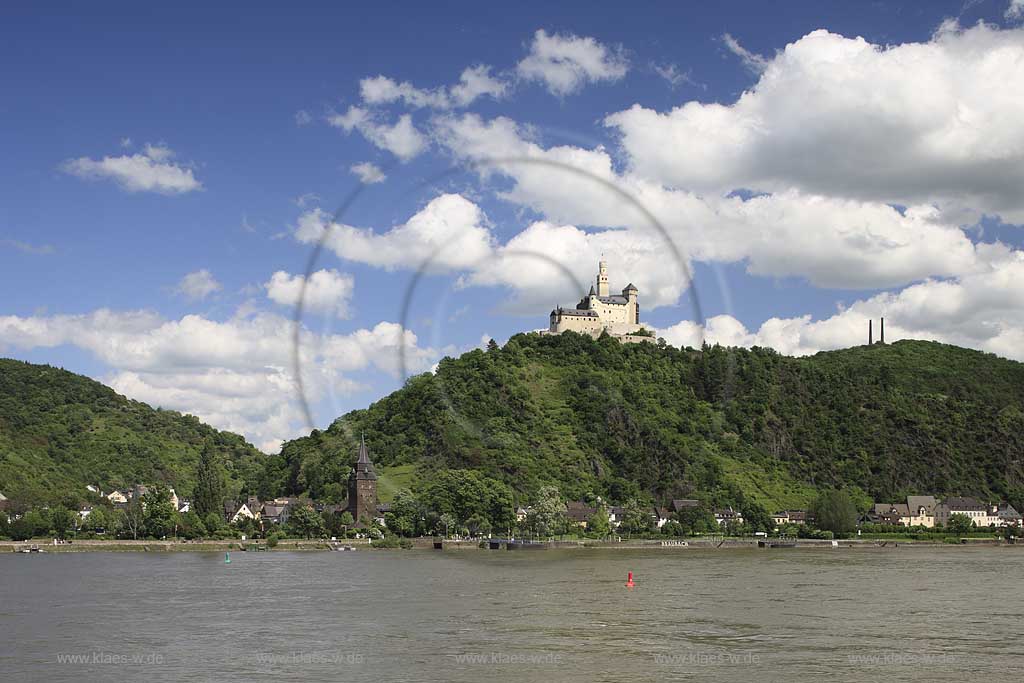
x,y
364,468
613,299
592,292
584,312
631,286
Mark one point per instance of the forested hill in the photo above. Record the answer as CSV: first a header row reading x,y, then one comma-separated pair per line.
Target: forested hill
x,y
60,431
600,417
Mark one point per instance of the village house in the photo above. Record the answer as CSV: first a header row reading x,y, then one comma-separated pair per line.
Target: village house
x,y
276,511
891,514
117,497
233,512
680,504
522,513
977,511
661,516
727,515
921,511
1008,516
785,517
615,516
185,506
579,513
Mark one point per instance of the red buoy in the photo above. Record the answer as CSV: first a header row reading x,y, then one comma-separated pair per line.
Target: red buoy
x,y
629,580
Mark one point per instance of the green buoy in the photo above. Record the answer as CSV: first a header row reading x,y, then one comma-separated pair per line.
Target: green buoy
x,y
227,558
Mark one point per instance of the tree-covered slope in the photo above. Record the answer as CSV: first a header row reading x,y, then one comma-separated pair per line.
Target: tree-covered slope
x,y
60,431
599,417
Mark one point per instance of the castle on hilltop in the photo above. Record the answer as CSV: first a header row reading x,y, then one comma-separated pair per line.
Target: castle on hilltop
x,y
599,311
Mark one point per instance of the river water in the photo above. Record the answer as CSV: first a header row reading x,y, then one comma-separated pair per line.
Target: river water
x,y
894,614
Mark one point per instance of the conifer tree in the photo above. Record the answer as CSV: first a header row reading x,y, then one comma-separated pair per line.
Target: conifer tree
x,y
209,494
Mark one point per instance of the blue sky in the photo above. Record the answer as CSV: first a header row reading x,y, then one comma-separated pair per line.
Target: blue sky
x,y
167,170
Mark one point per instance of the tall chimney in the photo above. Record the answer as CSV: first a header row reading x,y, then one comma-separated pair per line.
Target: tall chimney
x,y
871,338
883,331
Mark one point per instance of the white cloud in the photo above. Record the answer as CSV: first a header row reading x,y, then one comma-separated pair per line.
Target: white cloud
x,y
28,247
672,74
148,172
368,173
327,291
754,62
1015,10
198,285
831,242
564,63
401,138
983,310
916,123
474,82
236,374
450,230
303,118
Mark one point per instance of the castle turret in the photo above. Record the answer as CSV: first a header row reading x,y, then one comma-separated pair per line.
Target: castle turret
x,y
602,278
630,293
362,486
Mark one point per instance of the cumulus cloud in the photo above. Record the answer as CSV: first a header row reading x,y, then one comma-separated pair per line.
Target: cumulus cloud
x,y
235,374
368,173
564,63
916,123
984,310
401,138
450,231
475,82
327,291
1015,10
198,285
151,171
831,242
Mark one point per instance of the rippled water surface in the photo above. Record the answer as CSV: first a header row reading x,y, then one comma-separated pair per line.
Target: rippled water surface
x,y
903,614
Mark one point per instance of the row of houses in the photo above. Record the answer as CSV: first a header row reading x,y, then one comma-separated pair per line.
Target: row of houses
x,y
926,511
122,498
278,510
579,513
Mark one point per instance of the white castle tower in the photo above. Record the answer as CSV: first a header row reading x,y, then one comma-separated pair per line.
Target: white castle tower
x,y
598,312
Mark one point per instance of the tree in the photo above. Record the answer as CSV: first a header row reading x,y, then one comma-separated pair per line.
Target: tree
x,y
160,518
192,525
446,522
635,518
133,518
478,526
492,346
209,491
62,522
959,524
757,518
305,522
404,517
548,514
346,521
835,511
598,523
696,520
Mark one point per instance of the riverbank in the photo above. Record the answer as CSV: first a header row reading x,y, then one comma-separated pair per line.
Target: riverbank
x,y
293,545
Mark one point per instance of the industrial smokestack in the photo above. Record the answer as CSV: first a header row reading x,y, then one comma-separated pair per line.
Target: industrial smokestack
x,y
871,338
883,331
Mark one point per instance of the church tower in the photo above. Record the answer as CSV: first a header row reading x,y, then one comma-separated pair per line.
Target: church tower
x,y
362,486
602,278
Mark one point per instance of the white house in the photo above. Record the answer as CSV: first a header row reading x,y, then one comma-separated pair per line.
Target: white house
x,y
977,511
117,497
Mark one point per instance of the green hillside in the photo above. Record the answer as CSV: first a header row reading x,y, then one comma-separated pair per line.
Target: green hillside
x,y
60,431
597,417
